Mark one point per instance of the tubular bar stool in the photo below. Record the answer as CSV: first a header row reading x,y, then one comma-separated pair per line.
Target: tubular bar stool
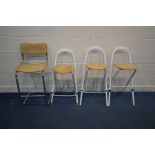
x,y
64,68
123,66
27,67
94,65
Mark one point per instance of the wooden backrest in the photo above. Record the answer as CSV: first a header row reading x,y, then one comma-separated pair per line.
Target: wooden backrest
x,y
33,49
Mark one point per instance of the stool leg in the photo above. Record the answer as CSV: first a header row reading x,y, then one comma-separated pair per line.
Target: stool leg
x,y
133,97
18,88
44,87
109,89
75,86
83,84
132,90
53,87
106,89
81,97
109,99
111,78
55,82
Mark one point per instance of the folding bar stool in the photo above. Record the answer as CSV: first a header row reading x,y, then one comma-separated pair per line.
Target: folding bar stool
x,y
32,50
123,63
62,68
94,65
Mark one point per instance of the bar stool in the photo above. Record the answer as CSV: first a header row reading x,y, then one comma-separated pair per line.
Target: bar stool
x,y
99,64
121,60
29,67
63,68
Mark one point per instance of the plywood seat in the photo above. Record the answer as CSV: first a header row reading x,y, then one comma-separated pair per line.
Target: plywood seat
x,y
27,67
96,66
63,69
126,66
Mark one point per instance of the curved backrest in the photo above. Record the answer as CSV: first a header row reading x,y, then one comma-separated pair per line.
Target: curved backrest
x,y
121,55
95,54
66,54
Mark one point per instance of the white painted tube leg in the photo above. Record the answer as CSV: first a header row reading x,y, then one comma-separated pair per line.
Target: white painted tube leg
x,y
132,90
81,97
133,97
83,85
106,88
109,100
53,88
75,86
52,97
77,101
106,93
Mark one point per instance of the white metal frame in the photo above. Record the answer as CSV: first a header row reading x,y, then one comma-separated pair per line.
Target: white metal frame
x,y
74,75
115,51
85,73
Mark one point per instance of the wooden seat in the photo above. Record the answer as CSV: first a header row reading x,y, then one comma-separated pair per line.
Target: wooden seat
x,y
96,66
26,67
126,66
63,69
